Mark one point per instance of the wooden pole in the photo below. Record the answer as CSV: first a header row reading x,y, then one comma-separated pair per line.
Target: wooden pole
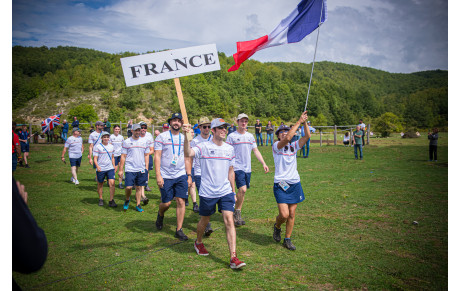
x,y
182,105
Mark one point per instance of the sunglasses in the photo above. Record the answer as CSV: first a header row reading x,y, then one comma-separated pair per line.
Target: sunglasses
x,y
206,126
144,127
286,148
222,127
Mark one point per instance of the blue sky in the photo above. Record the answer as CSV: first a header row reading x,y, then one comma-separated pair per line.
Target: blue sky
x,y
392,35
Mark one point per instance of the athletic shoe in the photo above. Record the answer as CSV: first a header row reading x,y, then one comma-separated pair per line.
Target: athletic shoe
x,y
147,188
71,180
208,230
139,208
181,235
27,166
112,203
237,218
76,182
186,202
276,233
235,263
101,202
126,205
196,208
200,249
121,186
288,244
145,201
159,222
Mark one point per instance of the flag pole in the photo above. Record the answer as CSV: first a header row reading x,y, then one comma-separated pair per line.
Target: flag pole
x,y
314,57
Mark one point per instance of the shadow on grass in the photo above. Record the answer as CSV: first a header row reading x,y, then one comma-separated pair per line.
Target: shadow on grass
x,y
40,161
87,188
256,238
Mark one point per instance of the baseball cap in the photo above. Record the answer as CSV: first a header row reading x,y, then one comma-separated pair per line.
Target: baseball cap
x,y
203,120
105,133
99,123
218,122
76,129
142,123
242,115
282,127
175,115
136,126
165,125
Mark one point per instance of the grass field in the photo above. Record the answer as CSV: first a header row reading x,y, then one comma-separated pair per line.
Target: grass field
x,y
354,231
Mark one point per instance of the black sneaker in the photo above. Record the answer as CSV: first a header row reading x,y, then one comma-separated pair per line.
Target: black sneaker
x,y
145,201
181,235
101,202
276,233
186,202
121,186
112,203
208,230
27,166
159,222
196,208
288,244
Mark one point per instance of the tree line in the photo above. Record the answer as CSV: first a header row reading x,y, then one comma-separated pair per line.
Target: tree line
x,y
340,94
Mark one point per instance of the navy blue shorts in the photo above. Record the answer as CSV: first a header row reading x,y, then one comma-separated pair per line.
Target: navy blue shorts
x,y
110,174
193,175
136,179
198,183
208,205
293,195
242,179
174,188
15,161
75,162
24,147
150,163
117,160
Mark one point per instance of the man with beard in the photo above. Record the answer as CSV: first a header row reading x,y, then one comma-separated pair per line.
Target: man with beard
x,y
94,139
173,173
135,158
149,140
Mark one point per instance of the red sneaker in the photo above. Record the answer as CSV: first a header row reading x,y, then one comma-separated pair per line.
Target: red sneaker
x,y
235,263
200,249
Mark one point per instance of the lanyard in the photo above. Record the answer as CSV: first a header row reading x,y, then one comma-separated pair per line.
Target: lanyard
x,y
98,138
106,151
172,143
209,137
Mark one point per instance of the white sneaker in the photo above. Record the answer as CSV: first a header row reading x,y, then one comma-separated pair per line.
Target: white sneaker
x,y
71,180
76,182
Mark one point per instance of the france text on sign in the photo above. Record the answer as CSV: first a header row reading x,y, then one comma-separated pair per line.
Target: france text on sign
x,y
170,64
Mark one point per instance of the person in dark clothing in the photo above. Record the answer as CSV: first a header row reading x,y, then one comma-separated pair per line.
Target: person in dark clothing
x,y
258,127
75,123
30,247
433,149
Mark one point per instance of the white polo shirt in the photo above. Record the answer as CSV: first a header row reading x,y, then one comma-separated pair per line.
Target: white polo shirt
x,y
243,145
104,155
135,151
168,149
196,162
286,163
215,161
117,142
148,138
74,144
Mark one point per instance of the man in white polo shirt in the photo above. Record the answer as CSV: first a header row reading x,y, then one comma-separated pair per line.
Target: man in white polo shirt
x,y
205,129
116,139
95,139
244,143
217,186
76,148
104,161
149,139
173,173
135,159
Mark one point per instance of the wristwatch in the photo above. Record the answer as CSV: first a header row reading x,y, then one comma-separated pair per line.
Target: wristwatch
x,y
189,175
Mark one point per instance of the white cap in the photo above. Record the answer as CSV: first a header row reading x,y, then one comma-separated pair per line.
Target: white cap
x,y
218,122
242,115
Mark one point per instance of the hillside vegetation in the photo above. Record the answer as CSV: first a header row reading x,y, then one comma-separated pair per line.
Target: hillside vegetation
x,y
50,80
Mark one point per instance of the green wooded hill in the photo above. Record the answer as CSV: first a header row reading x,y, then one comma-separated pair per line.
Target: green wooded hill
x,y
90,83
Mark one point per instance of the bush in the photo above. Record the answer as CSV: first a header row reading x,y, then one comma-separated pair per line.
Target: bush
x,y
84,113
388,123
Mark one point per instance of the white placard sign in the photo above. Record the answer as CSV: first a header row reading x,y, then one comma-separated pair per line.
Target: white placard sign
x,y
170,64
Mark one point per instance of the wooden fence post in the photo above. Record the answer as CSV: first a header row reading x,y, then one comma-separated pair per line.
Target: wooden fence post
x,y
368,132
320,138
335,134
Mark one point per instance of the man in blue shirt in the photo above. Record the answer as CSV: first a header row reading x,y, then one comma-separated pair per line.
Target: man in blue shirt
x,y
75,123
24,137
65,129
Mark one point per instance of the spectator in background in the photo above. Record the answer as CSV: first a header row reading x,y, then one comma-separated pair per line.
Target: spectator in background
x,y
116,139
65,130
196,130
157,133
165,127
75,123
16,147
24,137
29,244
129,129
91,130
107,125
433,149
258,127
346,139
363,128
358,141
269,129
231,129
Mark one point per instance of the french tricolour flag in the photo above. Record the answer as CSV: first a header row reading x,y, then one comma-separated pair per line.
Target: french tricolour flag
x,y
300,23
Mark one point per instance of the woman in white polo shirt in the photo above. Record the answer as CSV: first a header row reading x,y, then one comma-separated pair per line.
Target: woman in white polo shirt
x,y
287,188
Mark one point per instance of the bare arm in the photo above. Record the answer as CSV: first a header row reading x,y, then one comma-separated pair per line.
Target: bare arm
x,y
121,164
147,160
63,154
231,178
293,130
188,152
160,181
90,153
96,164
